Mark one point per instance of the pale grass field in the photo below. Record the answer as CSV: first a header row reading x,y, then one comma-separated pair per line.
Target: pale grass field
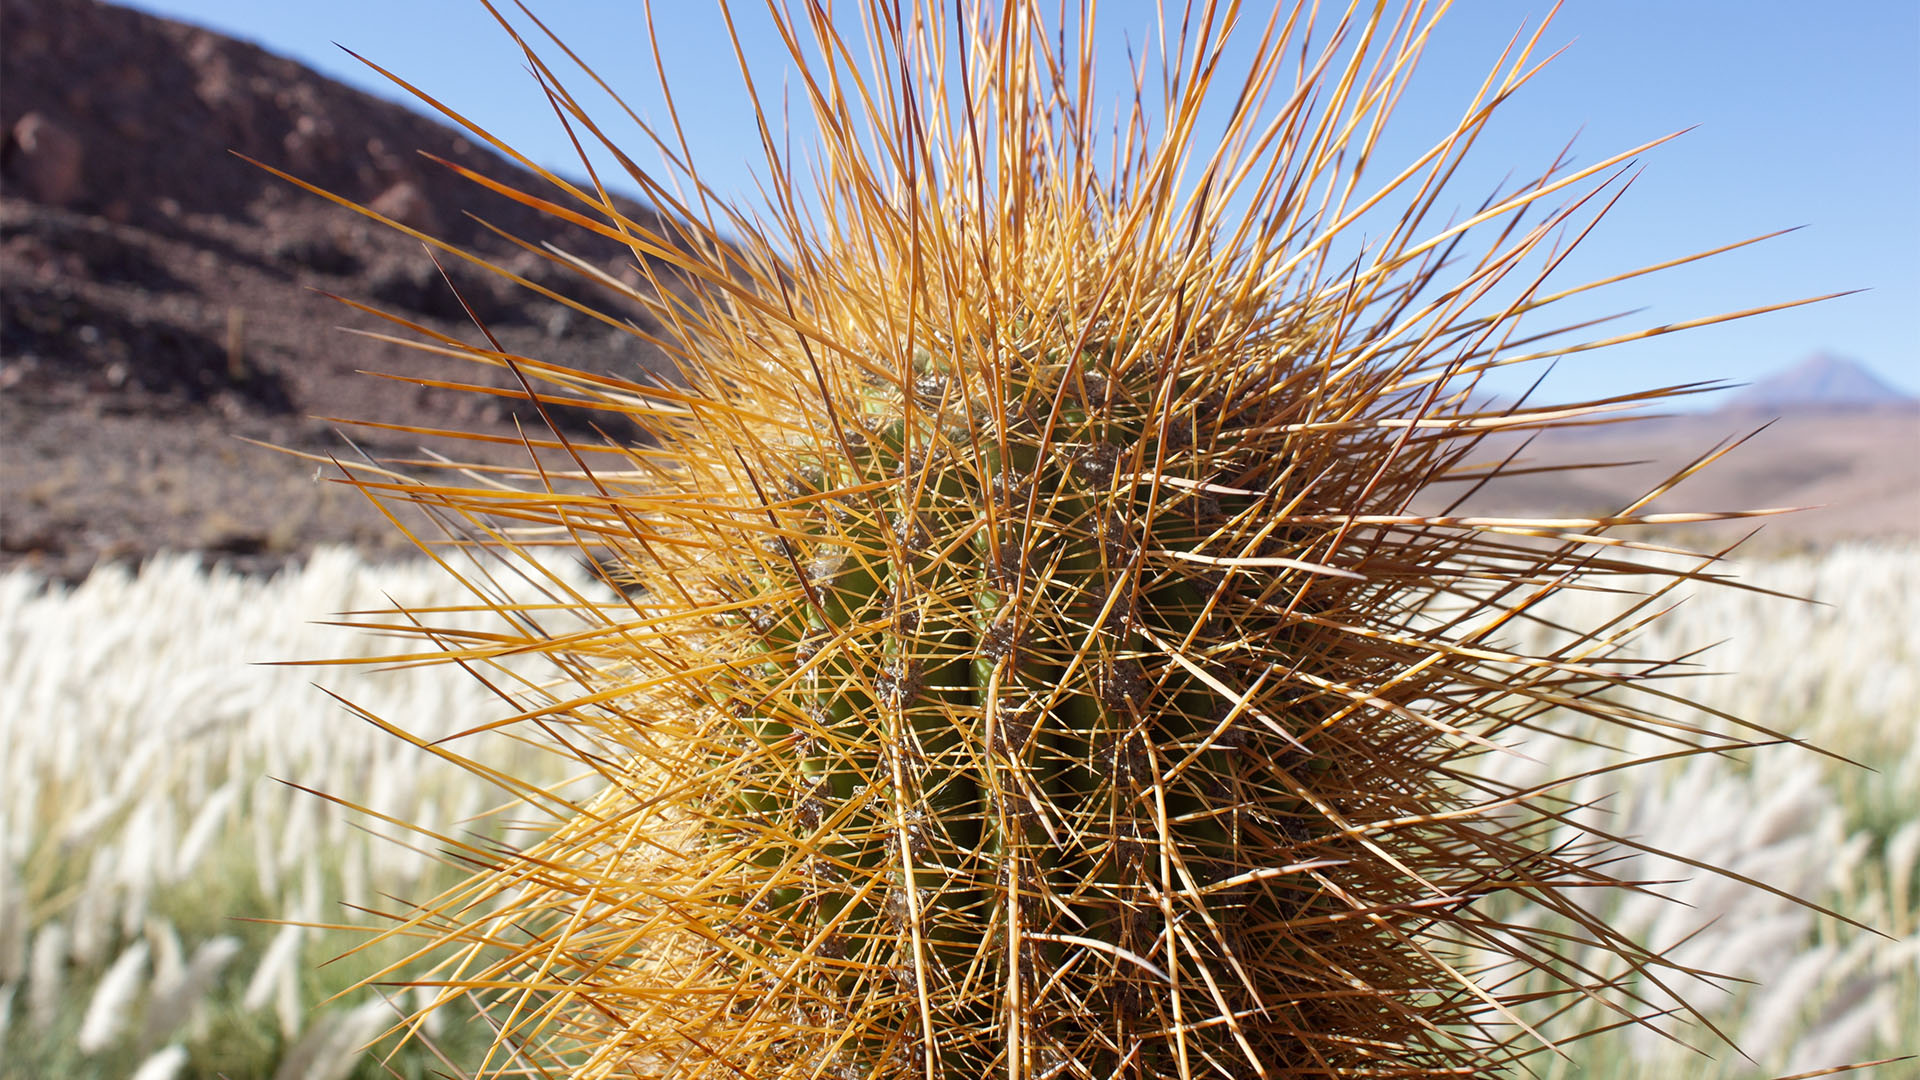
x,y
141,813
139,822
1843,674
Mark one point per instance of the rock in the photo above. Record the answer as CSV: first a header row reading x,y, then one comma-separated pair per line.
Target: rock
x,y
411,284
46,159
319,252
405,203
312,143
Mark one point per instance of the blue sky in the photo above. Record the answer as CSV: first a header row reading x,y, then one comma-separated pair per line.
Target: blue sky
x,y
1807,115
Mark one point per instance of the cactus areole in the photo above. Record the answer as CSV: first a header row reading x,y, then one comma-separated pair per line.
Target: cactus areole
x,y
1045,646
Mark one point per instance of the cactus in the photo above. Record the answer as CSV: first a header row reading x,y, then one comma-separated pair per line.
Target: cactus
x,y
1043,644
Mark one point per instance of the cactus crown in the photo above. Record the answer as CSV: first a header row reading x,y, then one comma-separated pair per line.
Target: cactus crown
x,y
1041,649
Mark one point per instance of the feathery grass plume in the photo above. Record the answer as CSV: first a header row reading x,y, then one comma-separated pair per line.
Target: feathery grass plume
x,y
113,1000
15,932
162,1064
46,973
277,980
1036,654
331,1046
175,1004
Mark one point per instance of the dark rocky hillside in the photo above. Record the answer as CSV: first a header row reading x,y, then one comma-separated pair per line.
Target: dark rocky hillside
x,y
154,299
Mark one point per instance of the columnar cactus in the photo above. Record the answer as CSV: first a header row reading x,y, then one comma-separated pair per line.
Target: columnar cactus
x,y
1045,644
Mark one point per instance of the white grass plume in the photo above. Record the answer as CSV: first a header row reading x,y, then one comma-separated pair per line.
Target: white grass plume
x,y
46,974
278,970
332,1046
173,1006
14,932
207,823
162,1065
113,1000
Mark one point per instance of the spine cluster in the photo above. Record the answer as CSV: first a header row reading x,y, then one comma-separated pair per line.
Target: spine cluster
x,y
1048,644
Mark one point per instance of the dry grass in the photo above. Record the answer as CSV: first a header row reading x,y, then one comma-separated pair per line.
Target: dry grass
x,y
141,821
170,699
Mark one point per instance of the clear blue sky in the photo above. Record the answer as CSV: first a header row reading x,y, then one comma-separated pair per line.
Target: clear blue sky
x,y
1808,114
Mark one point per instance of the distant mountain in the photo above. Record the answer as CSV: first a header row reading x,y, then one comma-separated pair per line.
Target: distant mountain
x,y
1822,381
1825,434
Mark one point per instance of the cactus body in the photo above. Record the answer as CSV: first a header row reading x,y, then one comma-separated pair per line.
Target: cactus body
x,y
1034,661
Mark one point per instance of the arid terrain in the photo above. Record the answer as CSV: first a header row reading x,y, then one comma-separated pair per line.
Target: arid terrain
x,y
158,308
160,303
1850,471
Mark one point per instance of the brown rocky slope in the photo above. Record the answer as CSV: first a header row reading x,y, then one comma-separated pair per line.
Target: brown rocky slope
x,y
152,309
